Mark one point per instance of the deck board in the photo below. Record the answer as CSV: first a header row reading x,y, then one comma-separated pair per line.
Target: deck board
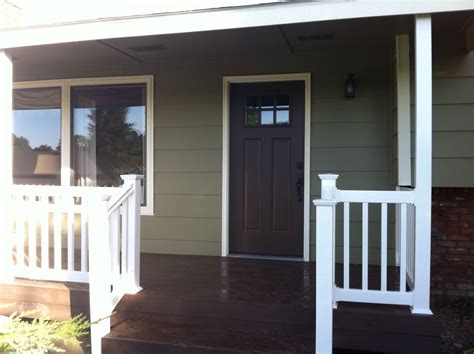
x,y
204,304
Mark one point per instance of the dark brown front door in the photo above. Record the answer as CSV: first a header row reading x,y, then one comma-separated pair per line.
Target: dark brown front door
x,y
266,168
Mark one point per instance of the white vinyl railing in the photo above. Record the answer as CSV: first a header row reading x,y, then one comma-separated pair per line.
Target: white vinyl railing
x,y
114,259
80,234
50,228
407,215
328,294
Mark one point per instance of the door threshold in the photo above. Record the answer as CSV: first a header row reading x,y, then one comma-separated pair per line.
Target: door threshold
x,y
261,256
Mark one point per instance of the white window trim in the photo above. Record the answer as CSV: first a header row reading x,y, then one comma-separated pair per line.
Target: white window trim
x,y
65,85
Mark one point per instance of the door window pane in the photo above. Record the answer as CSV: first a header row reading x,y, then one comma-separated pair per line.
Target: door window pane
x,y
252,102
267,111
267,101
282,117
282,101
108,133
267,117
37,136
251,118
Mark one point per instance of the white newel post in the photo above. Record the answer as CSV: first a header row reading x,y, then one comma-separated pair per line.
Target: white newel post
x,y
100,273
134,232
6,86
325,238
423,82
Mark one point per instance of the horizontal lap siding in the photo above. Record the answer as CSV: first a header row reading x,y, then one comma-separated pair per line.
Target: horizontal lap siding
x,y
453,132
349,137
352,138
453,115
188,163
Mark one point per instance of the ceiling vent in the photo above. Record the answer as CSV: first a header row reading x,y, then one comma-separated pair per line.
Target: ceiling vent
x,y
316,37
148,48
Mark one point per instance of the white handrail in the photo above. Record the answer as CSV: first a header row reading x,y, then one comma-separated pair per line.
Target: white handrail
x,y
114,204
394,197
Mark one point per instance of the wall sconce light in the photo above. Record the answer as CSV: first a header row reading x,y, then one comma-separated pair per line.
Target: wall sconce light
x,y
350,86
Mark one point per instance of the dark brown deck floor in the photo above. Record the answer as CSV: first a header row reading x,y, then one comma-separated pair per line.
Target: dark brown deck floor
x,y
196,304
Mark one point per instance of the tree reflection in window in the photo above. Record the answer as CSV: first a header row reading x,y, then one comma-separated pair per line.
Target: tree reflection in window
x,y
109,133
36,136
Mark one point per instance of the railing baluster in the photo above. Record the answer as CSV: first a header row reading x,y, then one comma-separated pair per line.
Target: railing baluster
x,y
84,242
45,233
20,232
411,249
115,240
347,245
70,236
124,233
397,234
365,245
403,246
31,231
57,234
383,248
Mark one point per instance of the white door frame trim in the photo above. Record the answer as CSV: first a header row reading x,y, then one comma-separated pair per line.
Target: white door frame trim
x,y
227,80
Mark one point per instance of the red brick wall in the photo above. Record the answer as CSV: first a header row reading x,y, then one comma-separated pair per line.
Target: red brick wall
x,y
452,245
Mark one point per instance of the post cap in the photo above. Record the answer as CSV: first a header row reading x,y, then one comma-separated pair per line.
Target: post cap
x,y
328,177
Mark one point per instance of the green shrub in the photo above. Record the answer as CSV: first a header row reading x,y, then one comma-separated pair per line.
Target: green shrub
x,y
40,335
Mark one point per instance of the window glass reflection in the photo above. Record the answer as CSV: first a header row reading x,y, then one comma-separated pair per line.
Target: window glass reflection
x,y
252,117
252,101
37,136
267,102
267,111
267,117
108,133
282,117
282,101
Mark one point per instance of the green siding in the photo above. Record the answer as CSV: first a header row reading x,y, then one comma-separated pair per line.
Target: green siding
x,y
349,137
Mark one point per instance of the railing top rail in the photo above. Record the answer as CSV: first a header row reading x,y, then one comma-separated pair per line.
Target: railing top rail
x,y
397,197
118,199
67,191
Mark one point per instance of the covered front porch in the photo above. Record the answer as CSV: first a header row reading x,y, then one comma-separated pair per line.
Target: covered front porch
x,y
368,229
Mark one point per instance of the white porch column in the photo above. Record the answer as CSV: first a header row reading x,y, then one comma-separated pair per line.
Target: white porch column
x,y
423,91
6,86
325,239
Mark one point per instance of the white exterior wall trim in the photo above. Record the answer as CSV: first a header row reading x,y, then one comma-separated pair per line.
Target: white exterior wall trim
x,y
306,77
240,17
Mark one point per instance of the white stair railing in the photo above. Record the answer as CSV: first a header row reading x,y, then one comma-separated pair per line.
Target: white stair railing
x,y
114,254
328,294
80,234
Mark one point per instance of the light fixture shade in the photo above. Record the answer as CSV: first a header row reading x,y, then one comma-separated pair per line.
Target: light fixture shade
x,y
48,164
350,86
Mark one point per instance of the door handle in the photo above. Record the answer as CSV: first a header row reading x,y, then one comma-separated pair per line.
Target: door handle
x,y
299,186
